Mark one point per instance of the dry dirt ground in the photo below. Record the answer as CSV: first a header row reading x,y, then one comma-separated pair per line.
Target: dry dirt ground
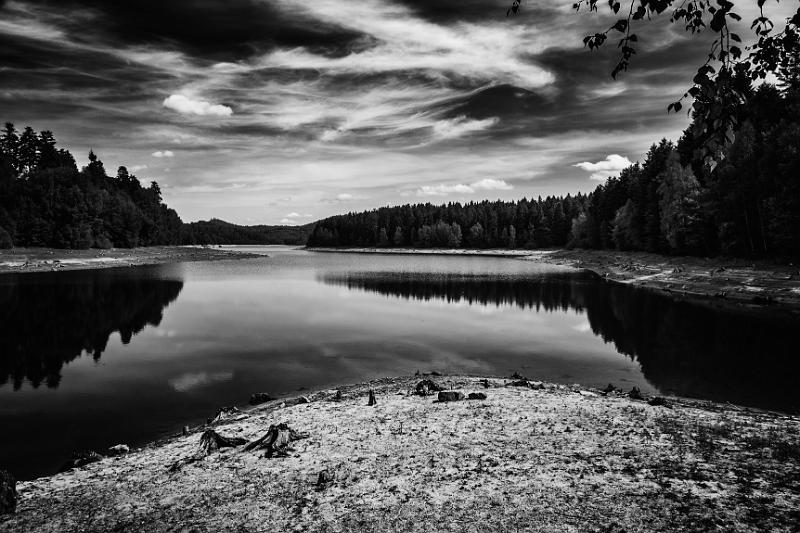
x,y
540,457
49,259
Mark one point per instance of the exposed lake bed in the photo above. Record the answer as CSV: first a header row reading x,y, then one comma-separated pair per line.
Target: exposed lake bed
x,y
536,457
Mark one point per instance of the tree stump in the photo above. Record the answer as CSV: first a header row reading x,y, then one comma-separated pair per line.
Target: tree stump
x,y
372,401
276,440
210,441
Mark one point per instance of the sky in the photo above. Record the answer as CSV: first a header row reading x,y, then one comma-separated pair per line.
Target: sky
x,y
284,112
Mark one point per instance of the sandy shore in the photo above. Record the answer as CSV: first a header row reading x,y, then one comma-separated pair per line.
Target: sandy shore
x,y
50,259
725,281
540,457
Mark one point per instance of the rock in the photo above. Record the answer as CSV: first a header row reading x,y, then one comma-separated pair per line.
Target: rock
x,y
635,394
476,396
80,459
8,493
260,397
450,396
338,396
372,402
426,387
658,400
119,449
296,401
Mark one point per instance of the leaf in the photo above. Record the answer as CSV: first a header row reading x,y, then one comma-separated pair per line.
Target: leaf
x,y
621,25
736,38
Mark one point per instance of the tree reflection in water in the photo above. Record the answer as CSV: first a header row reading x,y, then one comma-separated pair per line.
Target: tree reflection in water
x,y
49,319
684,348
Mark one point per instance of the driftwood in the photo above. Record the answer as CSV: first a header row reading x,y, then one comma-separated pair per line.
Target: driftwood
x,y
210,442
276,440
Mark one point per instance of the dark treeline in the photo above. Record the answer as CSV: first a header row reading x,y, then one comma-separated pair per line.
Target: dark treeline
x,y
217,231
675,202
46,201
683,348
47,320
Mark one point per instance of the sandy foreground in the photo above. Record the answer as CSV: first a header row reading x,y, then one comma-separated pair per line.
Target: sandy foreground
x,y
530,457
50,259
737,281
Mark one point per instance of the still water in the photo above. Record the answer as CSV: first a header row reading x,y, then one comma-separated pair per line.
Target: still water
x,y
89,359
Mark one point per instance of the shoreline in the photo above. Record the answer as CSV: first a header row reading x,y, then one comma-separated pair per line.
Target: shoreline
x,y
25,260
712,281
535,456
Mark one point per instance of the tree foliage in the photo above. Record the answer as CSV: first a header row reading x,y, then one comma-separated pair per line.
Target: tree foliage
x,y
722,85
747,205
46,201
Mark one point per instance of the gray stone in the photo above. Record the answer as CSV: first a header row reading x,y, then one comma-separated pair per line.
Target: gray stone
x,y
476,396
119,449
450,396
260,397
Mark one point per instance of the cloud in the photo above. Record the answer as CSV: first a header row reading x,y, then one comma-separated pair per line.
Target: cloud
x,y
460,188
610,166
188,106
287,221
137,168
460,126
489,184
295,214
165,153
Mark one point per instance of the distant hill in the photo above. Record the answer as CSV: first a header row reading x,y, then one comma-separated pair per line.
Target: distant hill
x,y
217,231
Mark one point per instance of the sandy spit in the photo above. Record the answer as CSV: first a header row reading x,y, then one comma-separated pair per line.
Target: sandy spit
x,y
541,457
21,260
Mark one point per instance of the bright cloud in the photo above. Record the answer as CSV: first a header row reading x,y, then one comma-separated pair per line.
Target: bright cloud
x,y
190,106
460,188
164,153
489,184
610,166
295,214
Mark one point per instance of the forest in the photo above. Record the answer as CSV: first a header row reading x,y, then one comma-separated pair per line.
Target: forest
x,y
46,201
217,231
743,202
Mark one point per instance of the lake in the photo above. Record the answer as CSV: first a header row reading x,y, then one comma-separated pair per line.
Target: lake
x,y
89,359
